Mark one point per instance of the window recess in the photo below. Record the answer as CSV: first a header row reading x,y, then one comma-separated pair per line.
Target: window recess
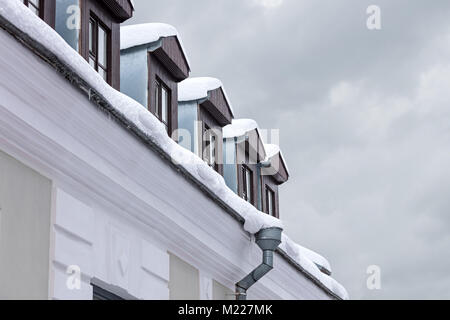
x,y
247,184
99,47
162,103
270,202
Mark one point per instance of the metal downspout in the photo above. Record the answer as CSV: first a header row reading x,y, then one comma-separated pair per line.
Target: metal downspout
x,y
268,240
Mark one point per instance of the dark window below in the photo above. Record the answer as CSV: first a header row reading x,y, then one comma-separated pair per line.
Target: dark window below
x,y
104,295
99,47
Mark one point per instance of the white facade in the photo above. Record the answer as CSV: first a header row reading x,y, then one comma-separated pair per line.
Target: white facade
x,y
119,211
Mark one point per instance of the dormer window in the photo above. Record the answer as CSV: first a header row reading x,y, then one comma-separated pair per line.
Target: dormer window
x,y
210,147
247,183
162,103
33,5
270,202
99,47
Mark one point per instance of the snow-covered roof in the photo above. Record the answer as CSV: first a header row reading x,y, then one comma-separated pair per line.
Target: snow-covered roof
x,y
148,125
147,33
273,150
309,262
239,128
193,89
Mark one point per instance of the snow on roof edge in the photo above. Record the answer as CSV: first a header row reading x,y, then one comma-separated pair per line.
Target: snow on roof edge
x,y
146,33
272,150
197,88
239,128
39,31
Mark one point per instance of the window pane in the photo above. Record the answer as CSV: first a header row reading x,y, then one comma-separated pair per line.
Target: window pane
x,y
248,178
92,62
212,149
157,105
34,6
103,73
165,105
270,201
91,36
102,46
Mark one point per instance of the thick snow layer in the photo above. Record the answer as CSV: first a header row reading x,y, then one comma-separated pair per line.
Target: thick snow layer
x,y
193,89
239,128
139,34
27,22
272,150
309,260
146,33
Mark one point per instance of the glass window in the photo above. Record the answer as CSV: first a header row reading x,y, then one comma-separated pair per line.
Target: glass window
x,y
102,46
212,150
247,179
162,103
210,147
98,48
91,36
101,294
34,5
270,202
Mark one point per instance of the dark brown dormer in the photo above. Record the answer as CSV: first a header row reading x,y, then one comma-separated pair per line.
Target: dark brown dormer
x,y
203,110
250,152
167,66
91,27
274,172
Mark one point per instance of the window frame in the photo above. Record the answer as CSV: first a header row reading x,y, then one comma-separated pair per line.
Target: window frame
x,y
245,172
100,294
210,138
270,195
93,53
40,7
159,87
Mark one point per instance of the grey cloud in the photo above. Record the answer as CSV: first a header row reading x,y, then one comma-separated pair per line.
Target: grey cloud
x,y
364,118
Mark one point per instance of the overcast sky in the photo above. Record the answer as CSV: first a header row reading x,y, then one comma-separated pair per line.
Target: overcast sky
x,y
364,119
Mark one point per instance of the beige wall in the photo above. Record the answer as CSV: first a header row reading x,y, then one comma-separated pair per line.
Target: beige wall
x,y
25,205
184,283
221,292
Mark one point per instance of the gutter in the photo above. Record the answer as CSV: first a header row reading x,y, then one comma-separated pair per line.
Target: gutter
x,y
101,103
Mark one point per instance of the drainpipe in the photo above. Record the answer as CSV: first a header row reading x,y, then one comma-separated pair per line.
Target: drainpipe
x,y
268,240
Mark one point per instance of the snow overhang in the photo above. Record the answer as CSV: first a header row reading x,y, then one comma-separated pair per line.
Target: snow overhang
x,y
210,94
163,41
247,135
275,165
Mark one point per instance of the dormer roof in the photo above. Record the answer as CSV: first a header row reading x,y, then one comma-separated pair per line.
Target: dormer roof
x,y
210,94
246,131
163,41
122,9
275,164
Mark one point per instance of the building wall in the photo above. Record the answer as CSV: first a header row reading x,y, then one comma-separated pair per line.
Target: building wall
x,y
229,164
25,203
184,280
187,123
220,292
134,74
118,207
